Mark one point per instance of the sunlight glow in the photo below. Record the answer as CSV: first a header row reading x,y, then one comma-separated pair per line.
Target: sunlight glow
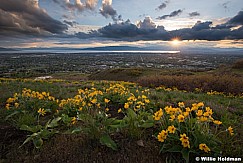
x,y
175,42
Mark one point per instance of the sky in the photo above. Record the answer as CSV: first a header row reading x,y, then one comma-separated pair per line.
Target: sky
x,y
143,23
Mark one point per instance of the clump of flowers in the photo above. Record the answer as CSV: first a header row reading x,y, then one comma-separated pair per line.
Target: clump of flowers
x,y
190,127
181,128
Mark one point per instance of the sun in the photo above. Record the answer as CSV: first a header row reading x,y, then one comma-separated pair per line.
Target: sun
x,y
175,42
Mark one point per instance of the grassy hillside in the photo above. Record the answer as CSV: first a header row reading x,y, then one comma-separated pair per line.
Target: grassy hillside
x,y
117,122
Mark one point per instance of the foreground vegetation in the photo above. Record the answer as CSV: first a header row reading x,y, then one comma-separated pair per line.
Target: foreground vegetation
x,y
116,118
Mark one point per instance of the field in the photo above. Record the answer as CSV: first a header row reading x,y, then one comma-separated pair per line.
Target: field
x,y
120,108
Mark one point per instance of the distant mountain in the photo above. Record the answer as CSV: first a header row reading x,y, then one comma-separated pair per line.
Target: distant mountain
x,y
116,48
7,49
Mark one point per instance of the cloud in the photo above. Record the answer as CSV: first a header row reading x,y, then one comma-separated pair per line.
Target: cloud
x,y
77,4
225,5
193,14
202,25
147,30
25,17
147,23
127,31
172,14
162,6
70,23
107,10
237,20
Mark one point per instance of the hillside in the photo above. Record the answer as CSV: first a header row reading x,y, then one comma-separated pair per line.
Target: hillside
x,y
124,128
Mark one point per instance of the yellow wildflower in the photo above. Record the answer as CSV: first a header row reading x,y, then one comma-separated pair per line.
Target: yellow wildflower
x,y
206,114
106,109
157,115
169,109
144,97
230,129
16,104
209,111
203,119
162,135
147,101
11,100
7,106
181,104
181,118
183,137
107,100
199,113
185,144
42,111
126,105
98,105
119,110
188,109
80,109
94,101
171,129
217,122
200,104
184,140
204,147
186,114
74,120
172,118
194,107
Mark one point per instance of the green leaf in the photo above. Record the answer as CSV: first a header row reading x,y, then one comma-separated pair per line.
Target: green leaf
x,y
106,140
185,154
26,141
38,142
31,129
45,134
147,124
175,148
14,113
117,124
131,113
76,131
54,122
66,119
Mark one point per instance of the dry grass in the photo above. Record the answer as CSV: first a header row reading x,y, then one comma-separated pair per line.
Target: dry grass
x,y
224,83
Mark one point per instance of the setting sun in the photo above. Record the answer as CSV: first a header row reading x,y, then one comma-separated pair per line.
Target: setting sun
x,y
175,41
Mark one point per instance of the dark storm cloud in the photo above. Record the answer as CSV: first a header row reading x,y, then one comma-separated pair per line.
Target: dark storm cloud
x,y
90,34
205,31
147,30
193,14
172,14
25,16
202,25
237,20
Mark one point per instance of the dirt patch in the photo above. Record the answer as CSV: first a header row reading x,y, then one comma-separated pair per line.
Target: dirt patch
x,y
77,148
